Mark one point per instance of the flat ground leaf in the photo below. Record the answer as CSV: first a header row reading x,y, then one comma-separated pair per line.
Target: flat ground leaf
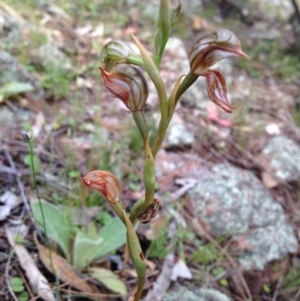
x,y
13,88
114,236
83,250
109,279
56,223
61,269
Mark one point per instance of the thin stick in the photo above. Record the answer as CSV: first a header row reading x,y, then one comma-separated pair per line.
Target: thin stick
x,y
7,276
274,298
25,282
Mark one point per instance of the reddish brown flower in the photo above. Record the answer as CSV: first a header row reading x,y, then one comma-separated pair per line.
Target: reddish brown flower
x,y
128,84
213,47
105,182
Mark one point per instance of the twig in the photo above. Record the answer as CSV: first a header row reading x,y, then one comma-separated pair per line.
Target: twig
x,y
274,298
296,8
25,282
295,298
162,283
7,276
21,188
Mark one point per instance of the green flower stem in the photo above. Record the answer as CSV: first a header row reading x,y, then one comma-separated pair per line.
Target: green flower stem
x,y
156,78
186,83
160,135
149,175
136,255
149,181
139,119
137,210
35,185
135,60
179,89
118,208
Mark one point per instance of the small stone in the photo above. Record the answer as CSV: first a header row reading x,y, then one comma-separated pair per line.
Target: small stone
x,y
203,294
51,56
280,9
266,244
283,157
177,134
7,117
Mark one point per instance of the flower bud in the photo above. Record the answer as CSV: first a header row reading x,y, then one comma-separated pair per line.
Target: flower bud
x,y
217,91
150,213
115,52
174,12
213,47
106,183
128,84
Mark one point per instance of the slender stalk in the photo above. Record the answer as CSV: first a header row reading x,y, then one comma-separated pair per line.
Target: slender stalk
x,y
186,83
139,119
31,154
160,135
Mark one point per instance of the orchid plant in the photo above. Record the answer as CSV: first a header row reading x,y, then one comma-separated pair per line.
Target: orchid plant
x,y
123,77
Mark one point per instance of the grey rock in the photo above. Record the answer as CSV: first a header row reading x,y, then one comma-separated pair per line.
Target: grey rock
x,y
233,201
279,9
7,117
10,30
191,8
283,157
266,244
12,71
178,134
51,56
203,294
150,10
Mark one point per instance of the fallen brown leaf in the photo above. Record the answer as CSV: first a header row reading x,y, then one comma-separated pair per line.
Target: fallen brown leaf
x,y
37,281
60,267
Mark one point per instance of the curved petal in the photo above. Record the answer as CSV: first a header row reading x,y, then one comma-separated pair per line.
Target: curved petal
x,y
217,90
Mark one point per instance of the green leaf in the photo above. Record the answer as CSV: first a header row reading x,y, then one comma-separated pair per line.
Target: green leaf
x,y
74,174
17,284
267,288
109,279
224,282
92,231
56,224
113,235
13,88
24,296
206,254
83,250
217,271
